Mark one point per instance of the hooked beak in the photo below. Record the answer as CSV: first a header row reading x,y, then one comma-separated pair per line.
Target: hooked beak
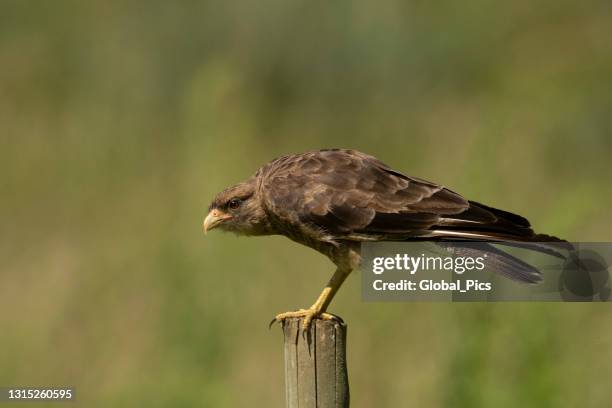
x,y
213,219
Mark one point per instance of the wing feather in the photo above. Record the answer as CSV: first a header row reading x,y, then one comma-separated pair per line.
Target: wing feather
x,y
355,196
344,195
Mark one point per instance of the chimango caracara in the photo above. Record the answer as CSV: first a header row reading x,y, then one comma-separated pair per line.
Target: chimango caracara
x,y
332,200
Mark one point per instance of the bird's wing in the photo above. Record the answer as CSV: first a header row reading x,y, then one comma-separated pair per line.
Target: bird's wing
x,y
353,196
337,195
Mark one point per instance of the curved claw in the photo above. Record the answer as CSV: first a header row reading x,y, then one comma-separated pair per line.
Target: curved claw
x,y
275,320
307,314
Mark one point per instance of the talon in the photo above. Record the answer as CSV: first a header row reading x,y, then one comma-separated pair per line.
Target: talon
x,y
329,316
307,314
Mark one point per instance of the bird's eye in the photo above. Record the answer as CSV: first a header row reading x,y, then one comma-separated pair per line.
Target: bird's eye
x,y
234,203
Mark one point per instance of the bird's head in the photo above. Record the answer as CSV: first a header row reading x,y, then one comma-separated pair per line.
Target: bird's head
x,y
237,209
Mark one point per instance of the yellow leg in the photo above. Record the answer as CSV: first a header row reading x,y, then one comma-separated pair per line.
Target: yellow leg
x,y
318,308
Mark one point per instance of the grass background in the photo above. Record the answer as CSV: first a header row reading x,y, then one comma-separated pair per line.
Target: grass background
x,y
119,121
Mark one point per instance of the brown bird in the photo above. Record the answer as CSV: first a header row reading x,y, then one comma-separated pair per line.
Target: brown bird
x,y
332,200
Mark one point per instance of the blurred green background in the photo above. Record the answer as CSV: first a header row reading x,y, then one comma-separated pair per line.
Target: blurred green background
x,y
119,121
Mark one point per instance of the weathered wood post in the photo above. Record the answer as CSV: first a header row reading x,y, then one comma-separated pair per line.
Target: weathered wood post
x,y
315,364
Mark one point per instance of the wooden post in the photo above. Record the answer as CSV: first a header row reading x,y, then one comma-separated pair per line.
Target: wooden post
x,y
315,364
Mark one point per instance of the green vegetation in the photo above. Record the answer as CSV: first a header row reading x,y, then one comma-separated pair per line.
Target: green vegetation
x,y
119,121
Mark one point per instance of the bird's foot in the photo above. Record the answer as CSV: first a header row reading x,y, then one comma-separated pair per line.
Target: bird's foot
x,y
307,314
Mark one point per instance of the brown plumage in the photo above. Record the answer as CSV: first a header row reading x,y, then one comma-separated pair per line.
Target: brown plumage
x,y
331,200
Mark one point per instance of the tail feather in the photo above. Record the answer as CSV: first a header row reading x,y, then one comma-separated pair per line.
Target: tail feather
x,y
484,223
497,260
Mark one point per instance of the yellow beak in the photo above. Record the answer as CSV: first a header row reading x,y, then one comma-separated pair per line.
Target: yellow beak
x,y
213,219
